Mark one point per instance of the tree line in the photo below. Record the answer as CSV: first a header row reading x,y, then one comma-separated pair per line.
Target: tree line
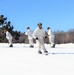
x,y
64,37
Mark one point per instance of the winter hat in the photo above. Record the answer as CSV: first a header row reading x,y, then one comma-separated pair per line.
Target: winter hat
x,y
48,27
28,28
39,24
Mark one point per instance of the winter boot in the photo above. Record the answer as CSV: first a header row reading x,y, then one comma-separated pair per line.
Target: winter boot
x,y
11,45
45,51
39,52
53,46
31,46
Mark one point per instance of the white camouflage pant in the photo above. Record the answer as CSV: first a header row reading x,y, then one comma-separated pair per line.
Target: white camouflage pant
x,y
10,41
31,42
51,40
40,43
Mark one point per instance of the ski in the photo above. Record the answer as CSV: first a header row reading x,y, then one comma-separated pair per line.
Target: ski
x,y
61,53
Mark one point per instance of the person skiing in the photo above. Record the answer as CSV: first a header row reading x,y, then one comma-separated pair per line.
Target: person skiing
x,y
51,37
30,38
39,35
8,37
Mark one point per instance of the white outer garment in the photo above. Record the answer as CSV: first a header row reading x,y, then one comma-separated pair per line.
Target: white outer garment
x,y
40,34
29,33
30,38
9,37
51,36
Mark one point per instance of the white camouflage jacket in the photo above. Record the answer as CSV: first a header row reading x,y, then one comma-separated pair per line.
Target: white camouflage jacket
x,y
39,33
29,33
8,35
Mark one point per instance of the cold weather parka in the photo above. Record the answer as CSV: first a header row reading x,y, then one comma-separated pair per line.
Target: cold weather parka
x,y
29,33
8,35
39,33
51,36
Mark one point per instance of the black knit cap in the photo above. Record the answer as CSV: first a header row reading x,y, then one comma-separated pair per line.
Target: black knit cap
x,y
28,28
39,24
48,27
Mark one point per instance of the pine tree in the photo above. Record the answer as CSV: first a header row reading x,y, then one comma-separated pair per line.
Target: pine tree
x,y
7,25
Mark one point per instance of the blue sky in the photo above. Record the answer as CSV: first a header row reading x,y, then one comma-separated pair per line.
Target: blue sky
x,y
57,14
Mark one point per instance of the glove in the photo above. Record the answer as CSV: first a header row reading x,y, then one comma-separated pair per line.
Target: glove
x,y
45,36
36,38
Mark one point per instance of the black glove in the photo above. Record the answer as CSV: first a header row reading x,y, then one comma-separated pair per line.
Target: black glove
x,y
36,38
45,36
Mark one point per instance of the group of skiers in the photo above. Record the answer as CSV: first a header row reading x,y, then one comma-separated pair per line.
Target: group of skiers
x,y
38,34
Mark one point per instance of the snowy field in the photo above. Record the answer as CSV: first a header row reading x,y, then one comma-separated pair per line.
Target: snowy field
x,y
22,60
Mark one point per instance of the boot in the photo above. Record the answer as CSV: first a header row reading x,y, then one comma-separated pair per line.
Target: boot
x,y
31,46
45,51
39,52
11,45
53,46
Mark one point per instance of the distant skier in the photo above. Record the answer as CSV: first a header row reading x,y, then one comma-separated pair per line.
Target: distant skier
x,y
8,37
51,37
39,35
30,38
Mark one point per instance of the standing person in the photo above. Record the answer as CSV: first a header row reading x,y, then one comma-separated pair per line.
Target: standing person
x,y
30,38
51,37
9,37
39,35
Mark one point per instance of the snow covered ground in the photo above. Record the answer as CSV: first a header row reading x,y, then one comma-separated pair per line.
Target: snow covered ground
x,y
22,60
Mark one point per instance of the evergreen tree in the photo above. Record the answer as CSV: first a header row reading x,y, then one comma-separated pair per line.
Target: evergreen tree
x,y
7,25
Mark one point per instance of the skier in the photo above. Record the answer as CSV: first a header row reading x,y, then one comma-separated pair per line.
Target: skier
x,y
51,37
39,35
30,38
9,37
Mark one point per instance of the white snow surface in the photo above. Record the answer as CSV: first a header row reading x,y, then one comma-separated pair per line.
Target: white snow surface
x,y
22,60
